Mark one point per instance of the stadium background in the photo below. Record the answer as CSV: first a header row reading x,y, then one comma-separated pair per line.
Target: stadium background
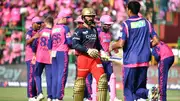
x,y
15,19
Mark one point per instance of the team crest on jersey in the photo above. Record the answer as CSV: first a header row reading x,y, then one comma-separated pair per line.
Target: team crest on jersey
x,y
46,34
85,32
56,30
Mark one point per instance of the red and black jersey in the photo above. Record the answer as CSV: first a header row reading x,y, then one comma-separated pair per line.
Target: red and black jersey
x,y
84,38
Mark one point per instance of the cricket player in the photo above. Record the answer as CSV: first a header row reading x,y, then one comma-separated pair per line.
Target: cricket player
x,y
165,58
86,43
60,42
31,35
88,89
43,58
135,41
105,37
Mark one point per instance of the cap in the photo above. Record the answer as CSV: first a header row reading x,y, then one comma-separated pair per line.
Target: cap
x,y
79,19
36,19
65,13
106,19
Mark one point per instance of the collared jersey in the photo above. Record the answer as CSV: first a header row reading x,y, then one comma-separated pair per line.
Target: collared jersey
x,y
84,38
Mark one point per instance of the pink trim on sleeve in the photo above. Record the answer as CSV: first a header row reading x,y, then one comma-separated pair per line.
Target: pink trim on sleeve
x,y
127,30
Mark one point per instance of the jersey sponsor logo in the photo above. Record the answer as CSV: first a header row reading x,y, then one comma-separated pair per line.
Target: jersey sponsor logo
x,y
91,36
85,32
46,34
107,40
56,30
138,24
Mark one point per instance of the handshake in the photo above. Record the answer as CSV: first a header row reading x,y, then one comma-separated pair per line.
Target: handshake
x,y
105,56
94,53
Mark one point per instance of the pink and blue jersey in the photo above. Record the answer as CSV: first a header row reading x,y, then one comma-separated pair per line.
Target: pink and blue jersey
x,y
105,39
161,51
41,46
137,33
60,38
28,49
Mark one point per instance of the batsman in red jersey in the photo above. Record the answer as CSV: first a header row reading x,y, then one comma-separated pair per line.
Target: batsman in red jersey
x,y
85,41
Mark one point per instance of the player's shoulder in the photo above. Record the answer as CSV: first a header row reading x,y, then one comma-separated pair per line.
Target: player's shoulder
x,y
79,29
146,20
125,23
100,32
66,28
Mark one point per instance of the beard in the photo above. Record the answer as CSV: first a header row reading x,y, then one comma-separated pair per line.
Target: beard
x,y
90,22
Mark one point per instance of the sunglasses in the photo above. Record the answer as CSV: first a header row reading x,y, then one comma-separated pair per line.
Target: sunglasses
x,y
93,16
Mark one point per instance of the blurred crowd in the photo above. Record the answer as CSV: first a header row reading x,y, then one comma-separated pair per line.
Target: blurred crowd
x,y
16,16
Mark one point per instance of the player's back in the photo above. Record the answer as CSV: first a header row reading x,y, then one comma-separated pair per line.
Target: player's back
x,y
137,47
163,50
42,53
59,38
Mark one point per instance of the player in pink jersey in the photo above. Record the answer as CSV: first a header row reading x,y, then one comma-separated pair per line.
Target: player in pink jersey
x,y
43,58
60,42
30,37
165,58
105,38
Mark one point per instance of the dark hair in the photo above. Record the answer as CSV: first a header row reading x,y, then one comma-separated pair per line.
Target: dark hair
x,y
49,20
134,6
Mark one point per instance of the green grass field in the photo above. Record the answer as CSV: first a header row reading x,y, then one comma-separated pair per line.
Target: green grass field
x,y
19,94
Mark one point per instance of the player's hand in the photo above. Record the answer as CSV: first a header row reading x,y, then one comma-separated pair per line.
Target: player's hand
x,y
93,53
37,35
104,56
50,56
33,61
50,60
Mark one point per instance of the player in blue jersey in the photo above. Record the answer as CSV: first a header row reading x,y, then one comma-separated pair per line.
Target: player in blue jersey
x,y
135,41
